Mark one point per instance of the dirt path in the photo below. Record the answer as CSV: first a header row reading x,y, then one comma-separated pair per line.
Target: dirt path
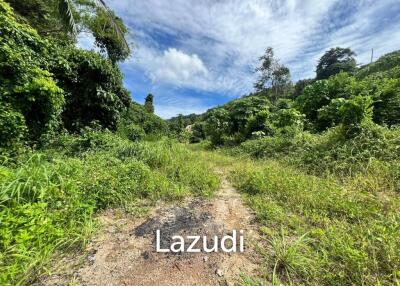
x,y
124,252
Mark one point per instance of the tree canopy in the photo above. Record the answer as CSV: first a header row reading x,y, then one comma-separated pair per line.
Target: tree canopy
x,y
334,61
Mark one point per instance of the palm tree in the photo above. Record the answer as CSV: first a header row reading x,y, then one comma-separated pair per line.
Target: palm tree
x,y
66,8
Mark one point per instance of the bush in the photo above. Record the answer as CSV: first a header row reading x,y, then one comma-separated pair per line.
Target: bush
x,y
93,86
151,123
198,133
387,103
12,126
216,125
259,122
25,84
288,121
132,132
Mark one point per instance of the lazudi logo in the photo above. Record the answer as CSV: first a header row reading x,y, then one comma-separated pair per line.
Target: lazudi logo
x,y
227,243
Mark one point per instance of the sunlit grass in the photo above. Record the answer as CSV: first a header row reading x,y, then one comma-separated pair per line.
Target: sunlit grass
x,y
48,200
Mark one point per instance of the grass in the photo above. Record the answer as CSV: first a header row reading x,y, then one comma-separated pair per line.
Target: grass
x,y
323,230
323,223
49,198
328,206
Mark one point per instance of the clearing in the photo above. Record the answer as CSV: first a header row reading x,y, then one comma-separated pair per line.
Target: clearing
x,y
123,252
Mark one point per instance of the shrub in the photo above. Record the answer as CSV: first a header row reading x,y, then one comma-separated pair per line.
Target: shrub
x,y
387,103
259,122
132,132
198,132
12,126
313,98
217,124
25,84
93,87
151,123
288,121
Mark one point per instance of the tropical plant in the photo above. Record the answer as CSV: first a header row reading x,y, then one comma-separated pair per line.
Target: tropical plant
x,y
334,61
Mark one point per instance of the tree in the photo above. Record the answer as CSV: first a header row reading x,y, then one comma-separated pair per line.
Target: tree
x,y
66,18
299,87
148,104
93,88
30,97
334,61
274,76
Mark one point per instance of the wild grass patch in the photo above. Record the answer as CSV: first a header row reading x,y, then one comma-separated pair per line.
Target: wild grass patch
x,y
48,199
321,230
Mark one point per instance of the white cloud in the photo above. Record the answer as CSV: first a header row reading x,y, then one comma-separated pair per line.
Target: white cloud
x,y
214,45
176,67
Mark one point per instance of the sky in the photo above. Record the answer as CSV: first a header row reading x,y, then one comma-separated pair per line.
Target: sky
x,y
196,54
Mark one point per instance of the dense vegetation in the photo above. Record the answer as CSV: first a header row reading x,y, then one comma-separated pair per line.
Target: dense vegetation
x,y
325,185
319,159
70,137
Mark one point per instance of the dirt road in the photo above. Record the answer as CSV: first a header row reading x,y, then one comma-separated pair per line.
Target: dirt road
x,y
124,251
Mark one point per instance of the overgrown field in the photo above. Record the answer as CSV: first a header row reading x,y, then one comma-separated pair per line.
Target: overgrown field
x,y
49,198
328,207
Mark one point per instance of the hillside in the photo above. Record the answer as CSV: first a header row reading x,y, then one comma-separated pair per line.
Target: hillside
x,y
306,174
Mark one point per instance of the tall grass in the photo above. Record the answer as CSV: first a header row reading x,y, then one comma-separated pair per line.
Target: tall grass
x,y
323,231
49,198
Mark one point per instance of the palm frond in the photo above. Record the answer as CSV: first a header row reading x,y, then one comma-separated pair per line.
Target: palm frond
x,y
116,28
66,11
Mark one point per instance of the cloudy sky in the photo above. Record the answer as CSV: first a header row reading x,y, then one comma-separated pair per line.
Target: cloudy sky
x,y
196,54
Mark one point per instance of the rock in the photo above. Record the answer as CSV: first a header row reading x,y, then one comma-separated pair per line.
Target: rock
x,y
146,255
205,258
92,258
219,272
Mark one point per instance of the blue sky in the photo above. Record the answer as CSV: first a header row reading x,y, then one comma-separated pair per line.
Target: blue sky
x,y
196,54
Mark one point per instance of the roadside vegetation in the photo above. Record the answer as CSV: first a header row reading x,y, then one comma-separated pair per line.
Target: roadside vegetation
x,y
318,161
73,143
49,197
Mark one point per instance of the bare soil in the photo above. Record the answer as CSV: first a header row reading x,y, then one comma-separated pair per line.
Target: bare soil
x,y
124,252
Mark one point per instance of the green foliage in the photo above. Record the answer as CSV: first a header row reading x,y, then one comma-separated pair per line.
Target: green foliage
x,y
148,105
313,98
300,86
259,122
329,102
353,112
48,199
348,112
198,132
61,19
12,127
217,124
288,121
386,65
330,152
230,123
45,17
242,109
24,83
320,231
109,32
334,61
151,123
387,103
131,131
93,87
178,124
